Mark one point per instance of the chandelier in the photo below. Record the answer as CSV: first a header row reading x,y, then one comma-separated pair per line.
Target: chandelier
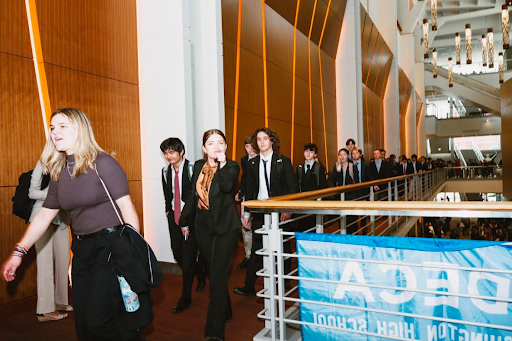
x,y
457,48
434,62
469,49
450,72
433,8
505,27
490,47
500,66
425,38
484,50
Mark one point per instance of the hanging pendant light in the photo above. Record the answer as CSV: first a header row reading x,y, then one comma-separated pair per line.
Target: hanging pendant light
x,y
505,27
469,49
433,8
484,50
490,47
434,62
500,66
450,72
425,38
457,48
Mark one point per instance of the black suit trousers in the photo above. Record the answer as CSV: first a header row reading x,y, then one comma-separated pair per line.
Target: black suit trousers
x,y
218,250
185,253
255,263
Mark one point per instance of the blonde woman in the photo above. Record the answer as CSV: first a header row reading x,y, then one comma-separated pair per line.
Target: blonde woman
x,y
52,255
75,164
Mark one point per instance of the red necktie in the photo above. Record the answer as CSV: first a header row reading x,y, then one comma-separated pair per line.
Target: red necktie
x,y
177,198
405,165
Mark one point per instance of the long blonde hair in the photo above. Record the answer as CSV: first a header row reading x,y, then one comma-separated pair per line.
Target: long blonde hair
x,y
86,151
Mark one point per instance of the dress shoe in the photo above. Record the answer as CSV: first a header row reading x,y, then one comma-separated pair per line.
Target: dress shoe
x,y
181,307
244,291
201,283
242,265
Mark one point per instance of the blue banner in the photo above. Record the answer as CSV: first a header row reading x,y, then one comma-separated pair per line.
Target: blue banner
x,y
438,260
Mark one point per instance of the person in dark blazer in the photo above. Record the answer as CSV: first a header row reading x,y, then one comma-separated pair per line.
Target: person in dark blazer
x,y
414,166
178,175
217,224
269,174
380,169
246,234
363,170
343,174
311,176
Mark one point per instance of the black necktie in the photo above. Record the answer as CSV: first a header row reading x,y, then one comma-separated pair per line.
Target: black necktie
x,y
308,170
266,176
356,164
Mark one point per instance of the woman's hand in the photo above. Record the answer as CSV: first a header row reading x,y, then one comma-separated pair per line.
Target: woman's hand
x,y
221,158
9,268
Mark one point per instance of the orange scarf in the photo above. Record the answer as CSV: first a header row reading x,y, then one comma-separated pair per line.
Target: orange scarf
x,y
204,182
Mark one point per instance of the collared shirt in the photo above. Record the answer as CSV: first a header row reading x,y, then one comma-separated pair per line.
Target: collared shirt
x,y
378,163
404,166
310,165
414,166
263,192
180,177
358,165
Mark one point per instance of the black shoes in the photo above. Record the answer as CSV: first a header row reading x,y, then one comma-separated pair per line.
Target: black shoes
x,y
201,283
181,307
242,265
244,291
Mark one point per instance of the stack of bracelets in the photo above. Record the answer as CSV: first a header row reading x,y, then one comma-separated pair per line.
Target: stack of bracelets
x,y
20,250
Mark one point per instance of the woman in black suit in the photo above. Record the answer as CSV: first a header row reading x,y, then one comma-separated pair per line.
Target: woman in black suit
x,y
344,173
216,224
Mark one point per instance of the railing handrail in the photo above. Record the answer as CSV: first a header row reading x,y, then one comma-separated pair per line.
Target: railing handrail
x,y
415,208
468,167
320,193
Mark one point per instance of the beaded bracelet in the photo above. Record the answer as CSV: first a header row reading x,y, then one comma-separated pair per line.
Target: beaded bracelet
x,y
17,254
20,249
23,246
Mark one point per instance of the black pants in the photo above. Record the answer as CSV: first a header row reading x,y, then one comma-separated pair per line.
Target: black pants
x,y
255,263
93,293
218,250
185,253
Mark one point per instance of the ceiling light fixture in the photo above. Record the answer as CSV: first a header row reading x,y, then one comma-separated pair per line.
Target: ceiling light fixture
x,y
490,47
484,50
434,63
425,38
505,27
433,7
457,48
500,67
469,49
450,72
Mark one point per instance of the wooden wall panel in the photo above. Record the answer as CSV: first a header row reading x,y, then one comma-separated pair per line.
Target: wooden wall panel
x,y
279,64
22,137
112,106
230,20
377,59
506,139
87,36
14,34
21,124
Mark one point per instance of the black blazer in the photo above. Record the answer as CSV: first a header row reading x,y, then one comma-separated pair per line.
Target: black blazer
x,y
410,167
167,182
243,162
337,180
385,172
224,213
311,184
280,184
365,176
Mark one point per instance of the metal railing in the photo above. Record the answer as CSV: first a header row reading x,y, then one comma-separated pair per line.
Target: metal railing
x,y
474,172
402,200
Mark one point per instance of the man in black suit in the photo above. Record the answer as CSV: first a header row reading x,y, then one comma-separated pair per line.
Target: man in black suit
x,y
311,175
413,168
363,170
246,233
177,176
380,169
269,175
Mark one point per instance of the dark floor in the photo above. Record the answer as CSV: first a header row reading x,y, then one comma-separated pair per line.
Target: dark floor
x,y
18,319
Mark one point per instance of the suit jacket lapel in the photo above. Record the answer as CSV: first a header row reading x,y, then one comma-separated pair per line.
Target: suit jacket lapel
x,y
185,182
255,164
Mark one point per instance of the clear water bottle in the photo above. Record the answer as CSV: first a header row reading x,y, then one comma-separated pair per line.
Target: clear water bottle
x,y
130,298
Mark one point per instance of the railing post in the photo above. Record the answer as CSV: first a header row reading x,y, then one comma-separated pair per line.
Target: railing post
x,y
372,216
406,183
390,198
343,218
270,222
396,196
277,246
319,223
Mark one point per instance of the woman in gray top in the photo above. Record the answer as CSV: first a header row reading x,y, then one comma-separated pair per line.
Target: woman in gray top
x,y
75,162
52,255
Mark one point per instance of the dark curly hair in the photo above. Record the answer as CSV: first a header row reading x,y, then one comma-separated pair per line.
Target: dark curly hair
x,y
276,142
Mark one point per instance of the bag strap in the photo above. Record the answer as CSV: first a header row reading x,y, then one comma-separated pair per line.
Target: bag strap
x,y
109,196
